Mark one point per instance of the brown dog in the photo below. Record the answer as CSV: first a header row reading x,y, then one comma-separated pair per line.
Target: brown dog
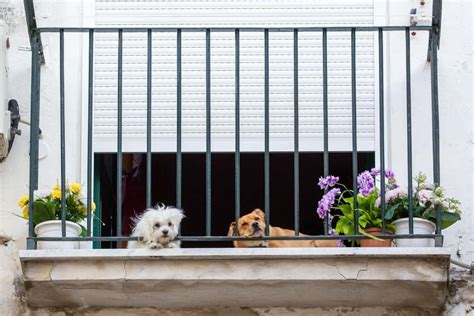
x,y
253,225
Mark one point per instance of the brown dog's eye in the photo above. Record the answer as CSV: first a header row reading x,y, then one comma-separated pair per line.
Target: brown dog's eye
x,y
157,225
257,218
245,224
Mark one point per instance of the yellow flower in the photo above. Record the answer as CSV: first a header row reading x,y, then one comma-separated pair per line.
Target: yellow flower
x,y
57,187
84,210
25,211
56,194
75,187
23,201
93,206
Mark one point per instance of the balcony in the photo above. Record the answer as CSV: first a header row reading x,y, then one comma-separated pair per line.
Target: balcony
x,y
255,277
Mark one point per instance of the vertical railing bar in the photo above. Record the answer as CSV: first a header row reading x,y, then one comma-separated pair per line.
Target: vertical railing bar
x,y
178,120
34,135
325,117
208,133
237,125
62,132
267,132
354,129
409,130
296,168
382,128
148,117
435,124
89,130
119,135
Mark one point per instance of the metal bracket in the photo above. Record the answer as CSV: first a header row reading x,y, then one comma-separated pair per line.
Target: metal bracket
x,y
436,23
31,23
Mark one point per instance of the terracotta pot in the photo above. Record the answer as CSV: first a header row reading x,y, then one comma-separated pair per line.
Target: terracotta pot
x,y
375,231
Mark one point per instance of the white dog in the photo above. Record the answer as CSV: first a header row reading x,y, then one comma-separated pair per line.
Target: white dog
x,y
157,228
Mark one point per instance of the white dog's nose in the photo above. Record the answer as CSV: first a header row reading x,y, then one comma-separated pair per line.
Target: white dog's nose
x,y
165,232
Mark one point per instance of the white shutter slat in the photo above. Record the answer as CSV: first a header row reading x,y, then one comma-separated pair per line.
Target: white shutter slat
x,y
230,13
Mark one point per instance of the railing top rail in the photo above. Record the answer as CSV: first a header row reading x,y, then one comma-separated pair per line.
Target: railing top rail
x,y
232,29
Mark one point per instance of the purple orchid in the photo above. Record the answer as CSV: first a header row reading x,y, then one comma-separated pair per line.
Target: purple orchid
x,y
327,201
366,183
375,172
327,182
389,174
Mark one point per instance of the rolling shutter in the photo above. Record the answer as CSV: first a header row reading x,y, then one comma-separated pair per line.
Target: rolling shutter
x,y
243,13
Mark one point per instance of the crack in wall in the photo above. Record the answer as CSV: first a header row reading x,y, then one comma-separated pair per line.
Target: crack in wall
x,y
340,266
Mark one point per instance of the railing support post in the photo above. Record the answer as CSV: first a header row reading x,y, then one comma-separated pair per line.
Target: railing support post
x,y
34,132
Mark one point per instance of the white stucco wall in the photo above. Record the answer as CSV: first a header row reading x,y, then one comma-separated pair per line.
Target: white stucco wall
x,y
455,108
456,114
14,171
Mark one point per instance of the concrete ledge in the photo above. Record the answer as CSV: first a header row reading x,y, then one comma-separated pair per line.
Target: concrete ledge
x,y
253,277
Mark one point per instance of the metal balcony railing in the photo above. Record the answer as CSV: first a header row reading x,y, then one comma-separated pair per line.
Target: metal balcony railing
x,y
326,31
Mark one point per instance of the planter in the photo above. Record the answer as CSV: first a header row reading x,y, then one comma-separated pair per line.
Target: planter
x,y
53,229
375,231
420,226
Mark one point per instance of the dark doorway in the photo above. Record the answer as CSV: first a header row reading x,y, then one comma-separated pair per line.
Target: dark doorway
x,y
194,185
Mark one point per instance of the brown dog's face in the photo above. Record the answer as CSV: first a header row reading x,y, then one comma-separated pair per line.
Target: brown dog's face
x,y
250,225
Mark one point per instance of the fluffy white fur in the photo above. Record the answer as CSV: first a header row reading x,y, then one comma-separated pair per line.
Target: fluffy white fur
x,y
157,228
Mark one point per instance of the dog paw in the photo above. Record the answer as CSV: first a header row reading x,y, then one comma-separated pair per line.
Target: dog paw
x,y
155,245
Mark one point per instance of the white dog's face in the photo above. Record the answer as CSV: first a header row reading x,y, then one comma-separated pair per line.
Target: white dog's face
x,y
165,228
158,225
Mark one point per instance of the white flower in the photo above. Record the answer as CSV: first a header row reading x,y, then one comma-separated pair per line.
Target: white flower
x,y
451,210
425,196
392,195
377,202
439,191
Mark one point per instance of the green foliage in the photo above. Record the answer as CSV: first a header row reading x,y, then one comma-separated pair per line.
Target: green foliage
x,y
427,201
369,214
48,207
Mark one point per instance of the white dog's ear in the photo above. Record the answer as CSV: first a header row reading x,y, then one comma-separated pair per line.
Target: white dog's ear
x,y
177,215
143,227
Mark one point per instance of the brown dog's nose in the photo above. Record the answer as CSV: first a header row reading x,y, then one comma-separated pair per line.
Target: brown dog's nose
x,y
255,225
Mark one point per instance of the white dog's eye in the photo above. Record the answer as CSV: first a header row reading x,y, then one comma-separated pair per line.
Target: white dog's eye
x,y
170,224
157,225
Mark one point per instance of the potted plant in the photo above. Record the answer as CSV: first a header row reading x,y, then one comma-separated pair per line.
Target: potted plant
x,y
369,216
427,200
47,216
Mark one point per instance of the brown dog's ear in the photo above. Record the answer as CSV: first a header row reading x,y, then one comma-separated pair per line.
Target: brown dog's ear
x,y
259,212
232,229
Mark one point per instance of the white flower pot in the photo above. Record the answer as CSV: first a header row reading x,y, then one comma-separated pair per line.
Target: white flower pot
x,y
420,226
53,229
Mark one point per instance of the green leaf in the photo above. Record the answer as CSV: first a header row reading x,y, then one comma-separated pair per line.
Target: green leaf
x,y
346,209
389,212
363,232
339,227
42,212
363,221
83,231
448,219
446,216
347,229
